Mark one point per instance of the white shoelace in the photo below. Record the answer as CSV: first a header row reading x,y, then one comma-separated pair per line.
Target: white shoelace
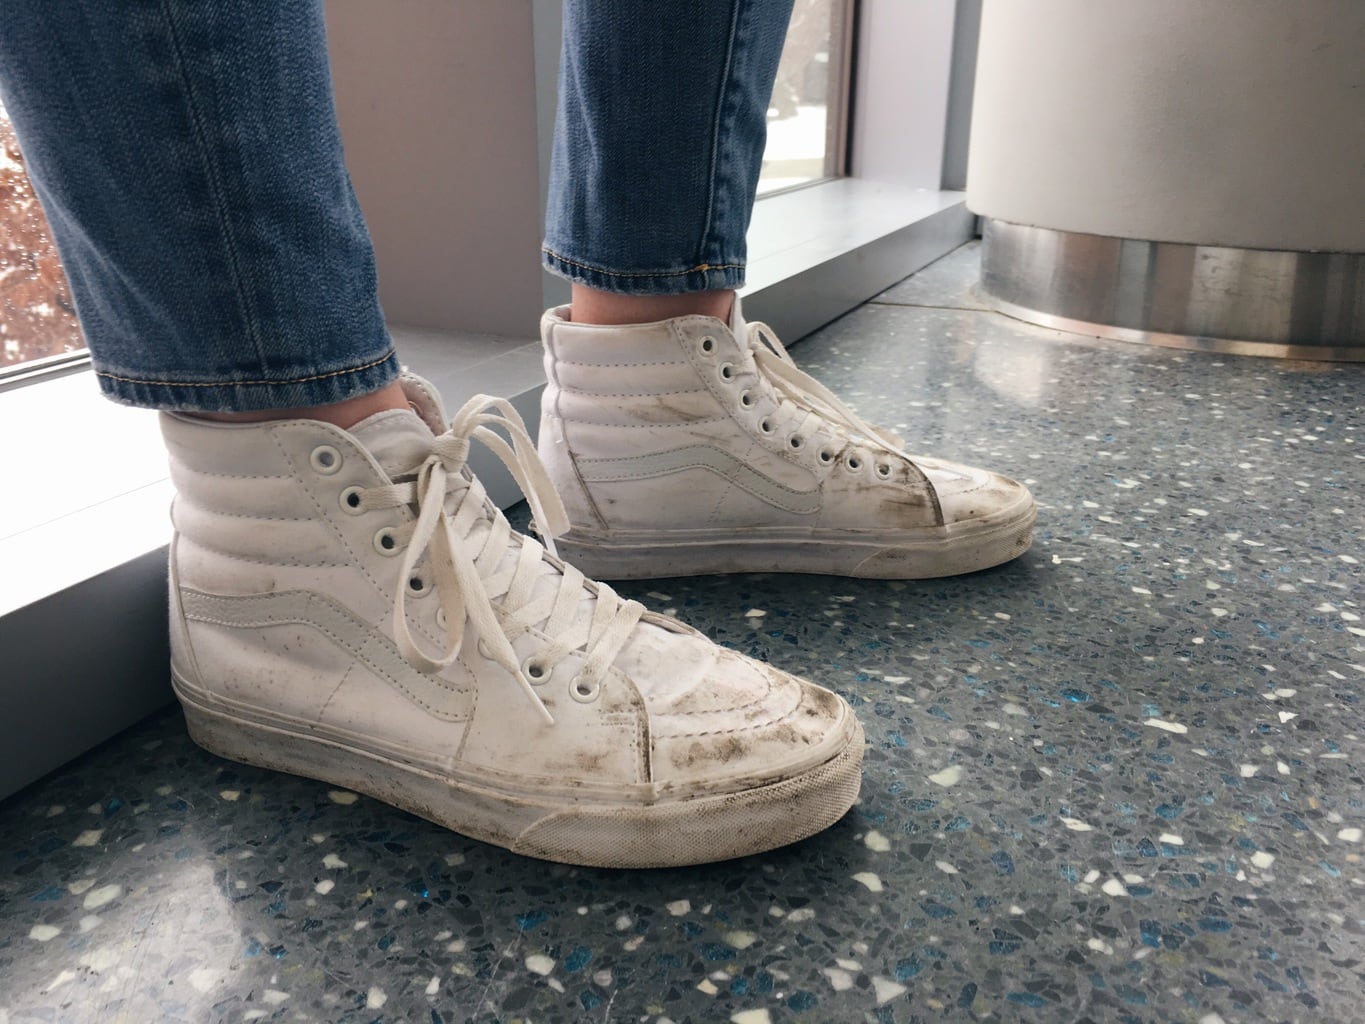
x,y
804,404
467,543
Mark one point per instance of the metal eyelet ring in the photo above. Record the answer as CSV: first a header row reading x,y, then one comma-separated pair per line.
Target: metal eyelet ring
x,y
325,459
536,671
746,398
826,456
765,425
853,463
726,371
417,586
796,441
584,692
708,345
386,541
350,501
883,470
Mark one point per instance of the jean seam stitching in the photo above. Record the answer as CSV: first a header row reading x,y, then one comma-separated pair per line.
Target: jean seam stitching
x,y
699,268
215,188
722,103
246,383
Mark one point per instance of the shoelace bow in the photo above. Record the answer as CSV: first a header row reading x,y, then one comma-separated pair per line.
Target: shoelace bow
x,y
450,505
801,394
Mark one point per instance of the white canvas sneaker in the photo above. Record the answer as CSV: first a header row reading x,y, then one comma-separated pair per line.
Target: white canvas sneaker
x,y
690,446
349,606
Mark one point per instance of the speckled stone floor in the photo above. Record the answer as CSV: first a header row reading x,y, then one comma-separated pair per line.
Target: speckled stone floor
x,y
1116,780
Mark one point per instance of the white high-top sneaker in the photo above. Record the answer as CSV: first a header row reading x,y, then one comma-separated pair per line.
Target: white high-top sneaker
x,y
349,606
690,446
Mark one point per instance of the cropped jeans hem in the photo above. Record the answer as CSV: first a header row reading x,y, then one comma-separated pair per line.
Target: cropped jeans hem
x,y
299,392
701,278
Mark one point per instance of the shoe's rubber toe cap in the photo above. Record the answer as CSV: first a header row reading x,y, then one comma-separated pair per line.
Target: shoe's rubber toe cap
x,y
968,494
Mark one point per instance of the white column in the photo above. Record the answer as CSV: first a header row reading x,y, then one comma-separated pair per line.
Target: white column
x,y
1223,124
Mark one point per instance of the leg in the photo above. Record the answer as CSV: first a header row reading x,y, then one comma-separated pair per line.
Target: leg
x,y
346,603
658,145
706,450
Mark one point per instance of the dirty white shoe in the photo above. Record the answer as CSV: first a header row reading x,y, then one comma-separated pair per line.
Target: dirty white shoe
x,y
691,446
348,605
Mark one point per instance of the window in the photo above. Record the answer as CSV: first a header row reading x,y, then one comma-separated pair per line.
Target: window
x,y
806,119
37,317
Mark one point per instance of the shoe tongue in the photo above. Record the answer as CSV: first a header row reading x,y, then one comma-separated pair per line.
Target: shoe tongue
x,y
397,439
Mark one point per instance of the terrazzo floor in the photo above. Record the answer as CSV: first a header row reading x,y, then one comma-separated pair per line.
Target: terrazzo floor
x,y
1115,780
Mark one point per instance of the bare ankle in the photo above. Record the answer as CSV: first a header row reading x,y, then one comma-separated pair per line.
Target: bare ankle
x,y
344,414
590,306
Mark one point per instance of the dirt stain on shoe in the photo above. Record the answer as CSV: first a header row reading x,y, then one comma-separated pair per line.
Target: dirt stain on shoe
x,y
731,748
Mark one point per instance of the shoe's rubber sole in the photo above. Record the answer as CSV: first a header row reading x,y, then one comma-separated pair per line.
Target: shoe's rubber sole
x,y
706,828
937,552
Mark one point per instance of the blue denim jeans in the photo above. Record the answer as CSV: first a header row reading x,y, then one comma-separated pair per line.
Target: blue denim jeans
x,y
659,137
188,157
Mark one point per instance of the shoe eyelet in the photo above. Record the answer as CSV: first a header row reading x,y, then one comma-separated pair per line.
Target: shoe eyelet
x,y
325,459
708,345
726,371
826,456
417,586
853,463
797,442
536,671
765,425
350,501
883,470
386,541
583,691
746,398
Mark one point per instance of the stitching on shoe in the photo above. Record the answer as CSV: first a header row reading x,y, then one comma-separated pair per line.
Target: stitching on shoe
x,y
335,690
235,476
355,650
294,562
780,450
639,426
631,394
751,727
733,708
247,515
397,685
715,509
598,366
274,434
593,462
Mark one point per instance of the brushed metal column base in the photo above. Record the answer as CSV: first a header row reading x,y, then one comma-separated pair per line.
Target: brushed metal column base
x,y
1252,302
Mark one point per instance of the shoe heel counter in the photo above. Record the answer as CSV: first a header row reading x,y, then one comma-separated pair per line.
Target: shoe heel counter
x,y
557,455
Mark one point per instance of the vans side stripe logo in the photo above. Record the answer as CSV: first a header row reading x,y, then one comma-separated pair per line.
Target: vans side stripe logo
x,y
701,456
379,654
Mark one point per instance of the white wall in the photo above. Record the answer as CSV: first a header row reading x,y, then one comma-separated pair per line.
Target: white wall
x,y
437,103
900,91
